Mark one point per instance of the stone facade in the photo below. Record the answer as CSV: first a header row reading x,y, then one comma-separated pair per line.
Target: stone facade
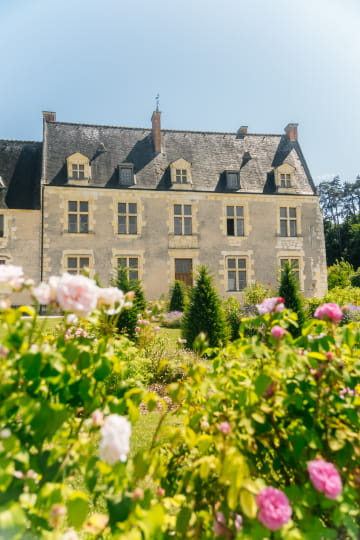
x,y
164,202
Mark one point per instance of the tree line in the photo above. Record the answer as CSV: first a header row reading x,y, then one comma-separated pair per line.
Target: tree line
x,y
340,204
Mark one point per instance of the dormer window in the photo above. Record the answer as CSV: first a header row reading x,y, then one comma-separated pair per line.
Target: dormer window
x,y
284,178
78,169
180,174
232,180
126,175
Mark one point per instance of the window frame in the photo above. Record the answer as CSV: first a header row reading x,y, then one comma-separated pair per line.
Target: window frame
x,y
128,222
77,269
180,169
285,178
236,270
126,167
130,269
290,259
288,223
74,163
75,217
182,219
237,218
228,175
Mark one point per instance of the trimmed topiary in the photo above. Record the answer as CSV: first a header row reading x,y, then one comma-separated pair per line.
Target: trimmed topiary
x,y
127,321
289,290
204,314
178,297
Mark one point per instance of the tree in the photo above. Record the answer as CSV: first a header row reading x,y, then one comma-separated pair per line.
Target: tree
x,y
178,297
127,321
289,290
204,313
339,274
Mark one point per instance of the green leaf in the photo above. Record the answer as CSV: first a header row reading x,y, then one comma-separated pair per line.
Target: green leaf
x,y
77,509
119,509
31,364
261,384
182,520
248,504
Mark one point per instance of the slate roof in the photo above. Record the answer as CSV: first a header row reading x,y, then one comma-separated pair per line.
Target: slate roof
x,y
20,171
210,154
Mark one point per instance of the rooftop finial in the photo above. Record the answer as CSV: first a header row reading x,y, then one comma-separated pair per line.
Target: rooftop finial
x,y
157,102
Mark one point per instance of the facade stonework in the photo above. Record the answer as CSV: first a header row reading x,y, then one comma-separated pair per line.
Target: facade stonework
x,y
162,203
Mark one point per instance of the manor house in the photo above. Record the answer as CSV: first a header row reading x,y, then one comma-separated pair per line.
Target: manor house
x,y
161,203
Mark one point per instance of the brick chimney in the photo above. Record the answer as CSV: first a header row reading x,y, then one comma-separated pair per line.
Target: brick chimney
x,y
156,131
291,132
49,116
242,131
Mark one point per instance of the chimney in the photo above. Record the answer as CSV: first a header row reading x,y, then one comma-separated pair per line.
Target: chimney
x,y
156,131
241,132
49,116
291,132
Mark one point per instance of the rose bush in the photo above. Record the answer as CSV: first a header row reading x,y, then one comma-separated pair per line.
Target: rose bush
x,y
266,444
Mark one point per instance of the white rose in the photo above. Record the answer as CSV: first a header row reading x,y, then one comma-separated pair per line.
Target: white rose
x,y
115,441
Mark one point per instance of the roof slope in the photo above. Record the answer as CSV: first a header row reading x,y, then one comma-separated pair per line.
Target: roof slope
x,y
210,154
20,171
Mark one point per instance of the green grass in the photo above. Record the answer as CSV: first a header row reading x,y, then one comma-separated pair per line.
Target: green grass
x,y
144,429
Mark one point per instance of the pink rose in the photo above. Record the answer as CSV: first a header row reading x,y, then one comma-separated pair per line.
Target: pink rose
x,y
325,478
270,305
11,278
112,298
219,525
329,312
42,293
275,510
137,329
225,428
278,332
77,293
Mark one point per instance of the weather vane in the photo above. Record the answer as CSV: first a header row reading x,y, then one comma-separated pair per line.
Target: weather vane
x,y
157,102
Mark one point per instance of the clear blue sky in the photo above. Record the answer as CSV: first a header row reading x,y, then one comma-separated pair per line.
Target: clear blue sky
x,y
216,65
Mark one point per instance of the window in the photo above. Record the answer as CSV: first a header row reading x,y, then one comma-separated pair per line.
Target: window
x,y
232,180
126,175
235,221
78,168
2,261
285,180
76,264
2,223
131,264
78,171
182,219
127,218
78,217
180,176
295,265
285,177
236,273
288,225
183,271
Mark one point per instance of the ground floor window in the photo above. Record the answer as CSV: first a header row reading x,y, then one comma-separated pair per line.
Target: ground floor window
x,y
294,263
236,273
131,264
75,264
183,271
2,222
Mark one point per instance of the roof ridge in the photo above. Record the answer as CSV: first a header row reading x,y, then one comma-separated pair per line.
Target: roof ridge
x,y
79,124
20,141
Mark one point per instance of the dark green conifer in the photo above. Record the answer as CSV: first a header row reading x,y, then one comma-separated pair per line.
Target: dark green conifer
x,y
204,313
127,321
289,290
178,297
